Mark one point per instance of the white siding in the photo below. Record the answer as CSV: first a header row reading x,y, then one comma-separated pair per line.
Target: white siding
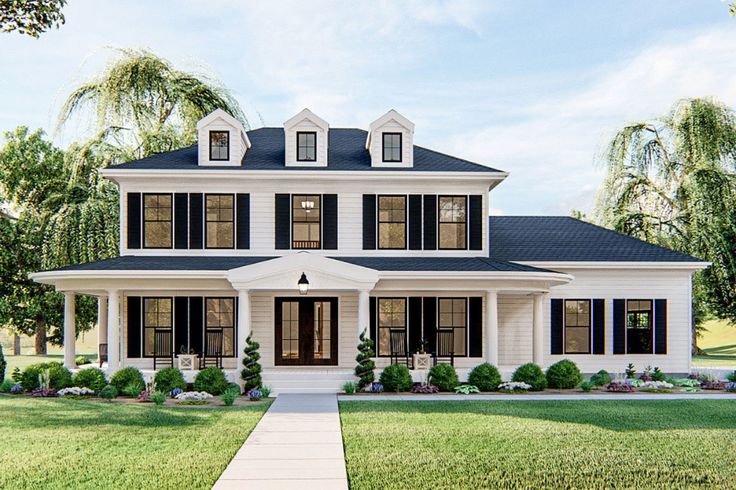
x,y
514,330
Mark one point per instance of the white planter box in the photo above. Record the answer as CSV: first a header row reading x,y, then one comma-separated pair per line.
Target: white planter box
x,y
422,361
187,362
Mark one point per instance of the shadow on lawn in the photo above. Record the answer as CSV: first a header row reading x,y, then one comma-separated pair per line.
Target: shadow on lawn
x,y
615,415
721,353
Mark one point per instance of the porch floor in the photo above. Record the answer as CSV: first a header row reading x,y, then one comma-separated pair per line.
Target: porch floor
x,y
297,444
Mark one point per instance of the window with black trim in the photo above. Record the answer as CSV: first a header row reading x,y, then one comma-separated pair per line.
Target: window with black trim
x,y
452,222
391,147
453,317
639,331
577,326
391,317
157,316
306,146
157,228
392,222
219,145
306,222
220,316
220,221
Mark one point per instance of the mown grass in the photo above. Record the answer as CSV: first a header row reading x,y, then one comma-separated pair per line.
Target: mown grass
x,y
546,444
54,443
718,341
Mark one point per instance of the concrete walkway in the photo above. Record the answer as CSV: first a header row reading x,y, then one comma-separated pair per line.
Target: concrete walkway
x,y
297,444
548,397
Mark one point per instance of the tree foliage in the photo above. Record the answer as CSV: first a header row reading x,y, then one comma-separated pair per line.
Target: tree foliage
x,y
31,17
671,181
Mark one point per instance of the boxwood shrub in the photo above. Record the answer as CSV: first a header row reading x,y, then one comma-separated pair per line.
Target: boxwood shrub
x,y
485,376
212,380
91,378
126,379
396,377
444,377
601,378
59,376
564,375
169,378
532,375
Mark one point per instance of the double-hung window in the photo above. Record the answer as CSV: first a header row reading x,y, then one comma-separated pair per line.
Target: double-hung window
x,y
639,323
219,145
306,222
306,146
392,222
577,326
157,229
453,318
452,219
220,221
392,147
391,318
220,316
157,318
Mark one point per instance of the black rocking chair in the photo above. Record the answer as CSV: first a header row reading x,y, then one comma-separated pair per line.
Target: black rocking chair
x,y
163,350
399,354
445,352
212,355
102,353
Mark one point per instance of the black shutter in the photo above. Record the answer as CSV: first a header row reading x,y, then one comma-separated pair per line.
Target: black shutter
x,y
181,220
196,220
430,323
619,326
660,326
373,323
415,222
134,220
283,221
134,327
415,323
430,222
329,217
556,330
369,221
242,233
599,326
181,323
196,323
475,326
475,223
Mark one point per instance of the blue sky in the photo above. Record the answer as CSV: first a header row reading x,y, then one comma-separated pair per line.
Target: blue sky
x,y
534,88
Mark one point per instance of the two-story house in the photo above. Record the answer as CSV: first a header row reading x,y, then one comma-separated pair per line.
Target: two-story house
x,y
303,236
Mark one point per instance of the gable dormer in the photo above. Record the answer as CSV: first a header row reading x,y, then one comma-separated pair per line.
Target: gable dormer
x,y
391,141
222,140
306,137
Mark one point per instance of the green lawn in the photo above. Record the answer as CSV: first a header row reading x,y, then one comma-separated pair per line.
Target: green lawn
x,y
55,443
719,344
529,444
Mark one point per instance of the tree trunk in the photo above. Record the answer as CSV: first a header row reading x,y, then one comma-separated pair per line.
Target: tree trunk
x,y
16,344
41,337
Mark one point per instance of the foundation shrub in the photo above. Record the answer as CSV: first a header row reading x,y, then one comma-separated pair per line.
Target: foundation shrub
x,y
169,378
485,376
91,378
564,375
59,376
212,380
532,375
444,377
396,377
128,377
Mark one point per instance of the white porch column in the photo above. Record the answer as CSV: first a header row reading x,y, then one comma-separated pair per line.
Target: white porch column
x,y
364,317
101,323
492,327
244,326
113,330
537,329
69,327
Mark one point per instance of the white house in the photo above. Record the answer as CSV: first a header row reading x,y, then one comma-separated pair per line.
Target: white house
x,y
382,236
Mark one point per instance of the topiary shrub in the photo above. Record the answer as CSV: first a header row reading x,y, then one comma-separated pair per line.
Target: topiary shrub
x,y
444,377
3,363
169,378
128,377
59,376
251,373
91,378
212,380
485,376
532,375
564,375
601,378
365,367
396,377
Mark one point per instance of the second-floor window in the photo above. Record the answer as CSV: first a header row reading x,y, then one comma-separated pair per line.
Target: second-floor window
x,y
157,221
220,220
219,145
306,146
306,225
391,147
392,222
452,222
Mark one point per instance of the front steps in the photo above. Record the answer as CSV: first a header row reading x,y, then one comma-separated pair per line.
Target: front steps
x,y
306,379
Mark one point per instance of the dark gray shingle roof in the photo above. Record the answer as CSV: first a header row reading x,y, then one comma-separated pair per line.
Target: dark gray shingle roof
x,y
439,264
565,239
346,151
165,263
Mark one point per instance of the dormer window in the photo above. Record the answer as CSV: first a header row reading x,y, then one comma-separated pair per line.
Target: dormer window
x,y
392,147
219,146
306,146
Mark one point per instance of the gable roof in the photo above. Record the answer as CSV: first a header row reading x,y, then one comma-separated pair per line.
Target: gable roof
x,y
346,151
565,239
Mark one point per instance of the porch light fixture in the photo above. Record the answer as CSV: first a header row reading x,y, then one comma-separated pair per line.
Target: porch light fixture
x,y
303,284
307,206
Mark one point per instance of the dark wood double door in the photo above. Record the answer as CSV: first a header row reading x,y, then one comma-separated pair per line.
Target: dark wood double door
x,y
305,331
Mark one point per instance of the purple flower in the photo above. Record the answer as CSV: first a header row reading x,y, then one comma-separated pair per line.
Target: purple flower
x,y
16,389
255,395
175,391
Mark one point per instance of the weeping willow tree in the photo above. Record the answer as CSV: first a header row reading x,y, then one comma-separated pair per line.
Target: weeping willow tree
x,y
671,181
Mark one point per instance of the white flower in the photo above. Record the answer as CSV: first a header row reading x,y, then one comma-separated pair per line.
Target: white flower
x,y
656,385
76,391
193,395
514,386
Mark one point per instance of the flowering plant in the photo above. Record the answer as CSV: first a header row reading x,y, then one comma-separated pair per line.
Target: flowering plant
x,y
43,392
657,385
193,395
16,389
376,387
254,395
426,389
731,386
620,387
713,385
75,391
514,386
175,391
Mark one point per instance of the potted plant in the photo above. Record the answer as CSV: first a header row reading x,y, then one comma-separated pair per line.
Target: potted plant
x,y
422,359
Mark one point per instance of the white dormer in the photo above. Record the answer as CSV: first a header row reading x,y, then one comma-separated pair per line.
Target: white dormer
x,y
306,136
391,141
222,139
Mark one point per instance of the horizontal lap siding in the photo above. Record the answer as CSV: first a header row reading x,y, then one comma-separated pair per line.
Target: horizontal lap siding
x,y
515,316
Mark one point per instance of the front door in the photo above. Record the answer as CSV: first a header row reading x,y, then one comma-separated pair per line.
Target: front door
x,y
306,331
